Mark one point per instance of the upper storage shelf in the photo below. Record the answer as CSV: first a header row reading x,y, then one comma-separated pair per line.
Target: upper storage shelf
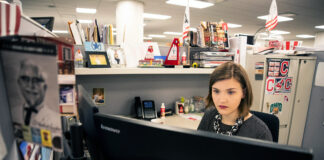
x,y
32,28
121,71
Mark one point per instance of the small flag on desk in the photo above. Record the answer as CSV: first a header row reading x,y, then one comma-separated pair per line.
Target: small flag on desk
x,y
272,20
10,15
186,24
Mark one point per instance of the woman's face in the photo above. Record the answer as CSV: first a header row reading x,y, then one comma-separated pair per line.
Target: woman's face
x,y
227,95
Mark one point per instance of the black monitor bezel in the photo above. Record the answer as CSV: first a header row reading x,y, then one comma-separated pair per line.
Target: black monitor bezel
x,y
260,145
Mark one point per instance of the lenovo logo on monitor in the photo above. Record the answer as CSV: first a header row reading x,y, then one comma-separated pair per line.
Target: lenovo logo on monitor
x,y
109,129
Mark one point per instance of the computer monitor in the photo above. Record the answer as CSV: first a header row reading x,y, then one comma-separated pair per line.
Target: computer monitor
x,y
126,138
117,137
47,22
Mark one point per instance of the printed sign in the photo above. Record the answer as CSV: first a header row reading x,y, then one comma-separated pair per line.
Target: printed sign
x,y
276,108
276,85
270,85
259,69
278,67
30,76
94,46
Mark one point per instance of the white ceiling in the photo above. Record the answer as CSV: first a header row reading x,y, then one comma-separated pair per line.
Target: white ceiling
x,y
309,13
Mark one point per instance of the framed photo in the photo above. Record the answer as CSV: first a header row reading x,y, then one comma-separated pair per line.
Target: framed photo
x,y
98,96
116,57
97,60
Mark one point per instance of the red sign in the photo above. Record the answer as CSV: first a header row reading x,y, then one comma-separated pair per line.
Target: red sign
x,y
288,84
284,67
270,85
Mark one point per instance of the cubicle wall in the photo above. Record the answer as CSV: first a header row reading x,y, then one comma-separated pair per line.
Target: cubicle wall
x,y
314,129
120,90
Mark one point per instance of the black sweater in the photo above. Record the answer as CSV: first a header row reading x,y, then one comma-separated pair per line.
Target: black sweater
x,y
252,127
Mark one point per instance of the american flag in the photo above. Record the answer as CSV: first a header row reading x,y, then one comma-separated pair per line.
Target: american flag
x,y
10,15
272,20
186,24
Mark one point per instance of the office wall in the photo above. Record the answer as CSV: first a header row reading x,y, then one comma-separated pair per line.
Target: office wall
x,y
120,90
308,42
314,130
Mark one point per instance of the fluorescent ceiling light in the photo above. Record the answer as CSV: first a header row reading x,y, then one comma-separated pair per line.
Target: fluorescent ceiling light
x,y
192,3
85,21
320,27
279,32
86,10
147,38
304,36
173,33
114,33
114,29
155,16
231,25
156,36
60,31
280,18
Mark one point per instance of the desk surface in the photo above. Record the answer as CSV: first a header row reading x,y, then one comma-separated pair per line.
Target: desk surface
x,y
183,121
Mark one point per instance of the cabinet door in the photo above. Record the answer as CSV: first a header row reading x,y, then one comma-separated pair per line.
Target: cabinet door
x,y
303,91
279,94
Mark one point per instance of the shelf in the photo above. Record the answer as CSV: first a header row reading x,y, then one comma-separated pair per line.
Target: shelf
x,y
66,79
30,27
121,71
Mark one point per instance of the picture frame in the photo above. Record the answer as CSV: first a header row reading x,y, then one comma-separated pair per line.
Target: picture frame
x,y
98,96
97,60
116,57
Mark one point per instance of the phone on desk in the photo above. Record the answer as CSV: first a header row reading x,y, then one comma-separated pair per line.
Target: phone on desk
x,y
145,109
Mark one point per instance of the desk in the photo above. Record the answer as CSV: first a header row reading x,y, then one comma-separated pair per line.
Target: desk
x,y
182,122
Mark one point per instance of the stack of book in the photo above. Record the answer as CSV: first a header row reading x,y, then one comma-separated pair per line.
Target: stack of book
x,y
92,33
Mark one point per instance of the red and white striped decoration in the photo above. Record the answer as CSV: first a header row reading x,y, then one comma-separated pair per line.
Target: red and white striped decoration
x,y
10,15
272,20
186,24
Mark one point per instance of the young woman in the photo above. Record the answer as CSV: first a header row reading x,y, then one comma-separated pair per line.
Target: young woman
x,y
228,105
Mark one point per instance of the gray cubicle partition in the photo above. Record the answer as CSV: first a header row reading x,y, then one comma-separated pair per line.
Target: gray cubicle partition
x,y
120,90
314,130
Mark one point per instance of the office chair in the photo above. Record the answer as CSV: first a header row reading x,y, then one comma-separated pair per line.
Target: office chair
x,y
271,121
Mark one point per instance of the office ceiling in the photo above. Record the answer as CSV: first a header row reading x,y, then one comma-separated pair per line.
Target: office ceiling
x,y
308,13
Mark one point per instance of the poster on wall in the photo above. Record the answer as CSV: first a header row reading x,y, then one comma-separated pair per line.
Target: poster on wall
x,y
30,76
278,85
278,67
